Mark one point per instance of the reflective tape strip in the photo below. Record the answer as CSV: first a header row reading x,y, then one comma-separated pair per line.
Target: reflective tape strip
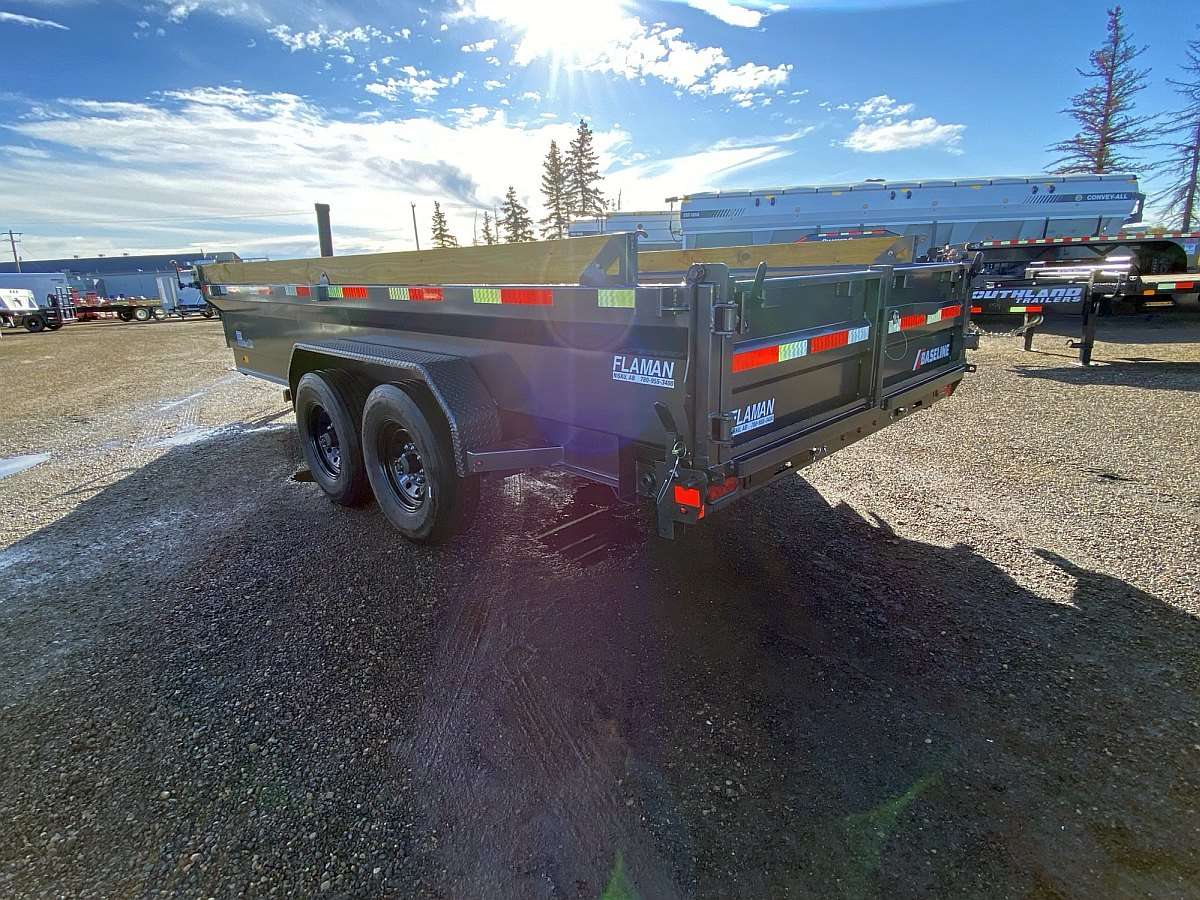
x,y
858,335
290,290
303,290
615,299
752,359
334,292
951,312
426,294
354,292
830,341
398,293
914,321
527,296
485,295
793,350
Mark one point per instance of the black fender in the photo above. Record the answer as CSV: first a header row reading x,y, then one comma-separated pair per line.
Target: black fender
x,y
465,401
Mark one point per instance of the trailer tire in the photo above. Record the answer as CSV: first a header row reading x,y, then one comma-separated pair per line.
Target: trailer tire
x,y
54,323
410,463
328,412
143,314
125,315
207,312
34,324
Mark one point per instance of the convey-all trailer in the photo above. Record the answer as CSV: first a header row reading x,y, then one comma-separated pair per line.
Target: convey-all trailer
x,y
413,374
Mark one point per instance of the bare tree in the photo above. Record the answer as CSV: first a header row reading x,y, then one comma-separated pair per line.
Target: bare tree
x,y
1178,200
1108,128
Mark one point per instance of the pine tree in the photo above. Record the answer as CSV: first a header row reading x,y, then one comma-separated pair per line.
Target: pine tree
x,y
584,197
489,236
1180,199
515,219
1108,129
554,189
441,231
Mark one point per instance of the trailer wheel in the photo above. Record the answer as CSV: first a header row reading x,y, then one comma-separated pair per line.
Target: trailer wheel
x,y
411,466
125,315
142,314
55,323
35,324
327,415
158,313
207,312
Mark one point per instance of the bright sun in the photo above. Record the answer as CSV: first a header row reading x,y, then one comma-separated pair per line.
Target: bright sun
x,y
569,32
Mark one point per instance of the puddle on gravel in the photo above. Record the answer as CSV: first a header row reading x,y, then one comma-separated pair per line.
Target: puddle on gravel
x,y
14,464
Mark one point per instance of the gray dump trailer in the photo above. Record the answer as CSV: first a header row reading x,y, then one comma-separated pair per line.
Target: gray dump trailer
x,y
414,374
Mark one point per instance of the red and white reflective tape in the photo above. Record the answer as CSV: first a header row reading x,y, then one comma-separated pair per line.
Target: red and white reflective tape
x,y
514,296
1096,238
899,323
787,350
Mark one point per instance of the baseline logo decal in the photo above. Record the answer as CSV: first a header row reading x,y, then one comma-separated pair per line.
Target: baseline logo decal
x,y
931,355
644,370
1032,295
753,415
244,342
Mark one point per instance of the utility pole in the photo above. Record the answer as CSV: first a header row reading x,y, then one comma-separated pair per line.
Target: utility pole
x,y
324,233
416,234
12,242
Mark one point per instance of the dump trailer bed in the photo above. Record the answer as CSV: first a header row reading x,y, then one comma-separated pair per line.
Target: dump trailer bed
x,y
416,373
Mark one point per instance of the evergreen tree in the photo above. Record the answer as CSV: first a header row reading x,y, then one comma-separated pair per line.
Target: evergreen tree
x,y
514,219
1108,129
489,236
1180,199
554,189
584,197
441,231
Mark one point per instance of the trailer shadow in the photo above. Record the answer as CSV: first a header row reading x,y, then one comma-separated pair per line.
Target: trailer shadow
x,y
1148,374
789,701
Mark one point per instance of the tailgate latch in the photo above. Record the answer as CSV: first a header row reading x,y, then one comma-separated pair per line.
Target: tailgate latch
x,y
721,428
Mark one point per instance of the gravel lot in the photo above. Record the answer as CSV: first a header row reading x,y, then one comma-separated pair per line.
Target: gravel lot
x,y
958,659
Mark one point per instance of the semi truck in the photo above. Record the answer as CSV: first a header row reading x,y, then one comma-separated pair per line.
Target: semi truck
x,y
413,375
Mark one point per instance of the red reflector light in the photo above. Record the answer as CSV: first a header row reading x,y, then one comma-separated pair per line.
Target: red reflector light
x,y
717,491
829,341
752,359
354,292
527,296
424,293
686,496
976,310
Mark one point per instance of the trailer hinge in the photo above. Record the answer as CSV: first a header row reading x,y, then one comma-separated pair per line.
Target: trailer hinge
x,y
674,301
725,318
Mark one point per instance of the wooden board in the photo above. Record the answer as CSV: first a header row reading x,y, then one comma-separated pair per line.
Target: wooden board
x,y
853,251
536,262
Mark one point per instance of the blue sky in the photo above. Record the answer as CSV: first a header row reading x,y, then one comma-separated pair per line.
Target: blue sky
x,y
217,123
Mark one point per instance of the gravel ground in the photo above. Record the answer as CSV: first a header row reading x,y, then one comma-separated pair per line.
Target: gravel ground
x,y
958,659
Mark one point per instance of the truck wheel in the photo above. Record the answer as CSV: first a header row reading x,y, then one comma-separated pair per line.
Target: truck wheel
x,y
124,315
327,417
158,313
35,324
55,323
142,314
411,466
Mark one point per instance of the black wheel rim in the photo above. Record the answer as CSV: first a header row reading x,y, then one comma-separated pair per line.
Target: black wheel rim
x,y
324,439
401,460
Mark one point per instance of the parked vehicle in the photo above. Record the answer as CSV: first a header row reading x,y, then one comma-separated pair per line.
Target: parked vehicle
x,y
19,308
1086,276
414,374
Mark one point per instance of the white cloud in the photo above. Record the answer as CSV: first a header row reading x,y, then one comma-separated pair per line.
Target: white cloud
x,y
493,85
322,38
275,153
748,77
491,60
533,96
31,22
479,46
729,13
883,126
602,37
416,83
279,153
